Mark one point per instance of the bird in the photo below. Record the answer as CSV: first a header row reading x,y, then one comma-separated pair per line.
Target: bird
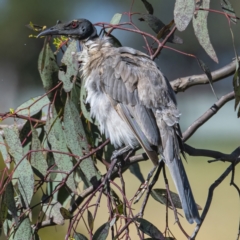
x,y
132,101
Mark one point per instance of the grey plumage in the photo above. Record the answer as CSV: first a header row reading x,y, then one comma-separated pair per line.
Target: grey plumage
x,y
132,101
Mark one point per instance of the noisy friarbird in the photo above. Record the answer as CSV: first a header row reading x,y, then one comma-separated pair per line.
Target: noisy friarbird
x,y
132,101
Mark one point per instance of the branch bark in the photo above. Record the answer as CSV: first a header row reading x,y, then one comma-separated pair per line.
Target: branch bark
x,y
181,84
207,115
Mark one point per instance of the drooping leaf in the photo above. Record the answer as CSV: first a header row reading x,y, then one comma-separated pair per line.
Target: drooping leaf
x,y
90,220
58,143
236,86
149,229
24,230
25,134
70,60
33,106
8,199
207,71
154,23
79,236
227,8
3,213
136,171
160,28
23,168
160,195
183,13
48,68
201,30
38,160
77,141
102,232
65,213
8,228
148,6
3,151
52,211
75,95
115,20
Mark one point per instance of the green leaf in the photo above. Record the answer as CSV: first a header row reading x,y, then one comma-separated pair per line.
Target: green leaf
x,y
24,169
136,171
52,211
70,60
183,13
48,70
47,67
75,95
8,228
3,151
8,199
207,71
115,20
58,143
90,220
102,232
160,28
25,133
77,141
79,236
38,160
160,195
24,230
149,229
154,23
201,31
236,85
227,8
148,6
65,213
33,106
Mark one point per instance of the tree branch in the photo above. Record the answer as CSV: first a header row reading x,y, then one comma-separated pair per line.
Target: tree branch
x,y
235,154
207,115
181,84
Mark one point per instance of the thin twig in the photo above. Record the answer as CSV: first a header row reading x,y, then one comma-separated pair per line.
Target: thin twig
x,y
207,115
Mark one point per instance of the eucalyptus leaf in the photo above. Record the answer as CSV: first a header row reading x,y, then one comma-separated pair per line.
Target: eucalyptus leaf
x,y
26,180
149,229
102,232
33,105
58,143
9,201
183,13
77,141
79,236
52,211
3,151
201,30
24,230
227,8
38,160
70,60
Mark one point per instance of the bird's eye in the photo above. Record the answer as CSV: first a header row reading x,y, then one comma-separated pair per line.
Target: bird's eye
x,y
74,24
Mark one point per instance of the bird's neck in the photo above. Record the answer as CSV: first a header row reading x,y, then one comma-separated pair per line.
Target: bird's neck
x,y
94,52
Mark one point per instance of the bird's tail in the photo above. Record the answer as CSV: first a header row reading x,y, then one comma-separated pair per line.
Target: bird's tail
x,y
170,148
182,185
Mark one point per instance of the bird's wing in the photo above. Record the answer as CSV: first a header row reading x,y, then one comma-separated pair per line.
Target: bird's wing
x,y
144,98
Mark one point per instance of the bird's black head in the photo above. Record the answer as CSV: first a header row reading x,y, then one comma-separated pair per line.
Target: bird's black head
x,y
81,29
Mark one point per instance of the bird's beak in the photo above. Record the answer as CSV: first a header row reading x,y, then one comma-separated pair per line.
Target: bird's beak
x,y
50,31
